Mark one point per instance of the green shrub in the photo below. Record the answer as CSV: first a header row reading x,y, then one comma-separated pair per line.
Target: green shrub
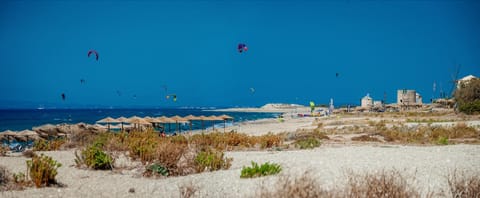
x,y
467,96
48,145
43,170
94,157
143,145
442,141
212,160
308,143
470,107
41,145
258,171
19,177
156,169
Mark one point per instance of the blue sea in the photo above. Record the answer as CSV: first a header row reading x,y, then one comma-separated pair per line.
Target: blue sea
x,y
21,119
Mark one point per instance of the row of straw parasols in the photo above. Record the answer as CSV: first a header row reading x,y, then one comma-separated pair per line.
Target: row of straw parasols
x,y
149,121
24,135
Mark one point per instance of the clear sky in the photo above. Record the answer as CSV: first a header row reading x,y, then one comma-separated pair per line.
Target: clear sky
x,y
295,50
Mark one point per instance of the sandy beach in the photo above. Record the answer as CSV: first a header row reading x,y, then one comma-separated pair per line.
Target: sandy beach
x,y
429,165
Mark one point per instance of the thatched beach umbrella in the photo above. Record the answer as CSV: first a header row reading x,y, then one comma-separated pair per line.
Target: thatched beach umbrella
x,y
178,120
166,120
7,134
190,118
202,118
122,120
213,119
28,133
154,121
138,121
225,118
108,120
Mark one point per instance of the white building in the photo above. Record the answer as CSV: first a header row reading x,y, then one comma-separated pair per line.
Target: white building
x,y
418,99
367,101
377,104
465,80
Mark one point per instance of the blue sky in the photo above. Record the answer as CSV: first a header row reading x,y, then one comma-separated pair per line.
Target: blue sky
x,y
295,50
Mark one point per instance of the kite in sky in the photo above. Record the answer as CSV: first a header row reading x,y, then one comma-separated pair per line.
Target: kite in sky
x,y
174,97
242,47
90,52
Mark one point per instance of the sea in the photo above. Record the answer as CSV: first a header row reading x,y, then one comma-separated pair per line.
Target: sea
x,y
21,119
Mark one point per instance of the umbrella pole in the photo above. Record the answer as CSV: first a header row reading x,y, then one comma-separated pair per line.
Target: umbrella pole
x,y
190,125
213,125
203,128
224,125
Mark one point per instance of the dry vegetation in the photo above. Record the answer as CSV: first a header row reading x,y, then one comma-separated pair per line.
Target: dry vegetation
x,y
177,155
463,185
426,134
3,150
365,138
15,181
388,131
381,184
187,190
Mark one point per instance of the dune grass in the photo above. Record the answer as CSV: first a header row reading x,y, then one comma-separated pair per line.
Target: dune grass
x,y
385,183
463,184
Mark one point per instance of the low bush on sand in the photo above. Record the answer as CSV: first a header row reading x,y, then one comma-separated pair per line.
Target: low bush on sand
x,y
384,183
212,160
154,170
463,185
42,170
3,150
95,158
177,155
270,140
308,143
258,171
10,181
380,184
287,186
187,190
142,145
442,141
169,154
48,145
365,138
234,140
